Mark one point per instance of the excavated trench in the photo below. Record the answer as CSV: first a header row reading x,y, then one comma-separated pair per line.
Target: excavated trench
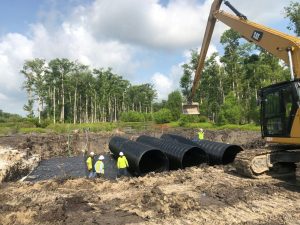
x,y
60,156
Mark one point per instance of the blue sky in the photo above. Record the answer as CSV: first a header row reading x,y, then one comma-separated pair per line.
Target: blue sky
x,y
143,40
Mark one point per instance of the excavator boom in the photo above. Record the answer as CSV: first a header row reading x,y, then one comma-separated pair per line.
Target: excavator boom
x,y
285,47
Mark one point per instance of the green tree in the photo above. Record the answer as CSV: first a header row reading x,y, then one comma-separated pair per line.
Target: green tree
x,y
174,104
231,111
34,71
163,116
189,69
292,12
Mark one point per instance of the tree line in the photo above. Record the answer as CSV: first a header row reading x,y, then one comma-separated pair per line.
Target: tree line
x,y
63,90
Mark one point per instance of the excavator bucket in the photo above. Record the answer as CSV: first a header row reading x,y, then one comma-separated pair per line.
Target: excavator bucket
x,y
191,109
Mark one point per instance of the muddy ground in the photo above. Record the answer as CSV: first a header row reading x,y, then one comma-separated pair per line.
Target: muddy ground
x,y
197,195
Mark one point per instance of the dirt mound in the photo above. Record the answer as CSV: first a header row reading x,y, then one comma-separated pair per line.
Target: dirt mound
x,y
15,164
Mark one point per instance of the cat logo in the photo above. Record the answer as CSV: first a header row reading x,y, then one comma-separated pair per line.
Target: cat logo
x,y
257,35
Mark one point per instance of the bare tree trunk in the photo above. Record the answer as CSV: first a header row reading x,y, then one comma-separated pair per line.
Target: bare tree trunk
x,y
86,109
95,107
62,112
103,115
39,108
49,96
140,107
115,109
109,109
80,110
75,107
54,119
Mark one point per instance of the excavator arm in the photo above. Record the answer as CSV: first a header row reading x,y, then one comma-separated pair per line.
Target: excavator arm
x,y
285,47
280,103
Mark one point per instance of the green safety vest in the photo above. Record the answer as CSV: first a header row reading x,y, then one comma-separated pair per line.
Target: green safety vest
x,y
89,163
122,162
201,135
99,167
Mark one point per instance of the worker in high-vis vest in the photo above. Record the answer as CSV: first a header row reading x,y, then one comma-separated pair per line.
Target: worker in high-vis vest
x,y
90,165
99,166
122,164
201,134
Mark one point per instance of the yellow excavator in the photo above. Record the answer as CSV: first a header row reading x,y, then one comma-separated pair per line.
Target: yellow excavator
x,y
280,103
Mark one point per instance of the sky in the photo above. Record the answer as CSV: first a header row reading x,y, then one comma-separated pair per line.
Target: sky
x,y
142,40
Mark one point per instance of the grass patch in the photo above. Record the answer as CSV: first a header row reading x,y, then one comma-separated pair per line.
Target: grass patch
x,y
10,128
211,126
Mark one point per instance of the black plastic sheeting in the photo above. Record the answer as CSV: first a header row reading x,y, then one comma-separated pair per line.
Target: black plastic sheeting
x,y
218,153
141,158
70,167
179,155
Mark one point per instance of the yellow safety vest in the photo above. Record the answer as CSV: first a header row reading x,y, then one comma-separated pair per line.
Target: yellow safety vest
x,y
201,135
89,163
122,162
99,167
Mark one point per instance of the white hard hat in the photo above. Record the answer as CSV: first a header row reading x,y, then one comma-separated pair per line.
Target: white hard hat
x,y
201,129
121,153
92,153
101,157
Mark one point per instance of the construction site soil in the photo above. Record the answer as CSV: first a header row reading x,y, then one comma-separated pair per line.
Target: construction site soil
x,y
196,195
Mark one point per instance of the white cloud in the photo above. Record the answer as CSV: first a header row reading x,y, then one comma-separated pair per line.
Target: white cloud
x,y
165,84
162,84
147,23
117,34
3,97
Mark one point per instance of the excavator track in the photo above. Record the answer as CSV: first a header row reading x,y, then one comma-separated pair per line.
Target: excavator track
x,y
256,163
244,160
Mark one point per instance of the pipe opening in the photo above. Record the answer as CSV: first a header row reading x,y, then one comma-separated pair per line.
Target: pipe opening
x,y
193,157
153,161
230,154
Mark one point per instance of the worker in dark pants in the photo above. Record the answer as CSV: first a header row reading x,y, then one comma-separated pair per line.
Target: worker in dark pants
x,y
99,167
122,165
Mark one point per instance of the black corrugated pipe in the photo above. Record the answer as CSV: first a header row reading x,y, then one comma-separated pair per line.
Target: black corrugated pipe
x,y
141,158
180,155
218,153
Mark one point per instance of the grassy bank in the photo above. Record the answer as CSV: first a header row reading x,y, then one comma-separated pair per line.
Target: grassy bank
x,y
24,128
211,126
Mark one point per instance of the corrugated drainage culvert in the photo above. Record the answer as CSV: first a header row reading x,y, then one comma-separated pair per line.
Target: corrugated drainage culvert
x,y
218,153
180,155
141,158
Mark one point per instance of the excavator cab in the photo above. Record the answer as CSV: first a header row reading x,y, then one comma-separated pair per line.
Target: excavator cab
x,y
191,109
280,103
